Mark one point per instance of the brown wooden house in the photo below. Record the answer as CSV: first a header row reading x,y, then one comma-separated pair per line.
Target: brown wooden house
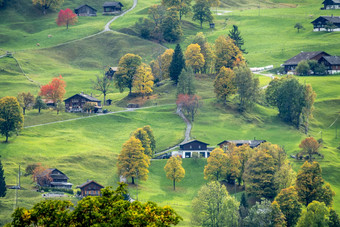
x,y
292,63
85,10
238,143
90,188
320,24
53,178
112,8
332,64
76,102
331,4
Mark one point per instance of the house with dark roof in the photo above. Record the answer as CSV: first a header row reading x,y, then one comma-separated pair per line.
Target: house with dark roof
x,y
76,103
85,10
59,179
238,143
112,8
331,4
90,188
332,63
291,64
186,149
322,23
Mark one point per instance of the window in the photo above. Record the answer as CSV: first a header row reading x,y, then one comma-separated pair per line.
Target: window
x,y
199,146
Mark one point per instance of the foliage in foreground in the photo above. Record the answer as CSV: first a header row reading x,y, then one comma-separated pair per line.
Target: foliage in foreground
x,y
110,209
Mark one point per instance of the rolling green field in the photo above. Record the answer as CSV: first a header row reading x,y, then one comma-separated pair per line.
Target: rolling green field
x,y
88,148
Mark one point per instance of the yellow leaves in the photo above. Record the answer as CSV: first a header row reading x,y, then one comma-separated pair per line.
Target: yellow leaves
x,y
174,170
143,80
227,53
224,83
194,57
165,61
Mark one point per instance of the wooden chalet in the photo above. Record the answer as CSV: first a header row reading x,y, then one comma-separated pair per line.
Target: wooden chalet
x,y
76,102
291,64
85,10
320,24
90,188
238,143
331,4
332,64
59,179
186,149
112,8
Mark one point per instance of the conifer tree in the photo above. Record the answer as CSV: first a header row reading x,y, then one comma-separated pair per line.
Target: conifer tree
x,y
174,170
177,64
2,181
235,35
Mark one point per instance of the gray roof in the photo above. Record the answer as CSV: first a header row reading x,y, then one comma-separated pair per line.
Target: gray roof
x,y
302,56
333,60
88,97
334,1
333,19
252,143
59,175
85,5
89,182
112,4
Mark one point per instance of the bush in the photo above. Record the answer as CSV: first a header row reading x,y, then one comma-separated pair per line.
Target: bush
x,y
49,189
30,168
303,68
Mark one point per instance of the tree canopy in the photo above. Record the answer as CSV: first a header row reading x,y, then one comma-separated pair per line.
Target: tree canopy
x,y
194,58
224,84
26,101
66,17
177,64
174,170
201,12
55,90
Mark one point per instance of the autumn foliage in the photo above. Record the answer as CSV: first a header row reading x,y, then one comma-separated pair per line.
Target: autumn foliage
x,y
55,90
66,17
189,103
41,175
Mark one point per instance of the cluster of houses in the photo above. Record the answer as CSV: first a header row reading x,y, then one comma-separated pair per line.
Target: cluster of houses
x,y
332,63
109,8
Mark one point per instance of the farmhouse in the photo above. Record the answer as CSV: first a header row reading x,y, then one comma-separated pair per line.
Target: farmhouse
x,y
85,10
332,64
187,149
112,8
238,143
322,23
90,188
53,178
292,63
76,103
331,4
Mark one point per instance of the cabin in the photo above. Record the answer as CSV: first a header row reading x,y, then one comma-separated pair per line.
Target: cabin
x,y
322,22
109,102
86,11
292,63
90,188
332,64
112,8
186,149
238,143
331,4
76,102
53,178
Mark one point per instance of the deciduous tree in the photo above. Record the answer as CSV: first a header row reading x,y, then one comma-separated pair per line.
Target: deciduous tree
x,y
244,152
39,104
213,206
334,220
132,162
206,50
189,103
143,80
284,177
227,54
148,130
165,62
289,204
102,84
26,101
216,168
279,219
299,27
261,214
171,26
235,35
186,82
307,109
143,136
174,170
177,64
66,17
3,188
224,84
55,90
202,12
310,146
303,68
41,175
47,4
89,107
194,57
127,69
317,214
60,106
11,118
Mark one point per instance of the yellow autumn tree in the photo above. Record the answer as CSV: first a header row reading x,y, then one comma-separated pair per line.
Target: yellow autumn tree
x,y
224,84
143,81
174,170
47,4
132,162
194,57
216,169
143,136
165,62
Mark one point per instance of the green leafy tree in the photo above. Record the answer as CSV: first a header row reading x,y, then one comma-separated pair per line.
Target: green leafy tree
x,y
216,168
224,84
310,185
307,109
174,170
247,87
303,68
202,12
279,219
186,84
3,188
127,68
260,214
47,4
289,204
39,104
284,177
299,27
171,26
102,84
60,106
272,91
143,136
235,35
26,101
183,6
177,64
11,118
330,26
213,206
148,130
334,220
132,162
206,50
317,214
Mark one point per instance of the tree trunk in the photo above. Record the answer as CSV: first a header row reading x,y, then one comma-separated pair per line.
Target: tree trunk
x,y
104,99
6,138
133,180
39,109
57,111
67,25
23,110
174,185
201,24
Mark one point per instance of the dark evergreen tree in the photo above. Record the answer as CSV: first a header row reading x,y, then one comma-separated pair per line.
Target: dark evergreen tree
x,y
334,220
2,181
235,35
244,201
177,64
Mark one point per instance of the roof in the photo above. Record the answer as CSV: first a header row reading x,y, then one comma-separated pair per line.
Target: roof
x,y
114,68
333,60
89,182
88,97
107,4
59,175
252,143
85,5
303,56
333,19
191,141
333,1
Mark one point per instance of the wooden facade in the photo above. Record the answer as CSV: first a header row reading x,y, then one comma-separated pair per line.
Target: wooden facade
x,y
292,63
85,10
194,146
332,64
331,4
57,179
76,102
90,188
320,24
112,8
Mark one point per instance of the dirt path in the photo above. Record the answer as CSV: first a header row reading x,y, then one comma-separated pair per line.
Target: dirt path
x,y
270,75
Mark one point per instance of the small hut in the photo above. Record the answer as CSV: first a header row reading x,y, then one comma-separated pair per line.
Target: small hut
x,y
85,10
112,8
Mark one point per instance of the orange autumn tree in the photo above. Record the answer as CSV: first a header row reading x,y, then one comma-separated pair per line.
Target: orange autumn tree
x,y
41,175
55,90
66,17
